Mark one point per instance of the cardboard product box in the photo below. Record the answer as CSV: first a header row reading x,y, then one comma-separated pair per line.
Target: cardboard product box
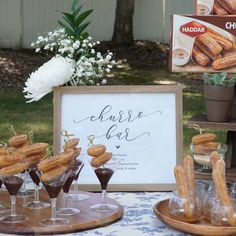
x,y
203,44
215,7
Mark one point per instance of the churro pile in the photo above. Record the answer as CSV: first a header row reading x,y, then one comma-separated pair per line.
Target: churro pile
x,y
99,155
55,166
19,154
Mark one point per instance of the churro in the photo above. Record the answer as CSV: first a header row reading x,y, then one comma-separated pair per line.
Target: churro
x,y
189,173
96,150
18,140
71,144
53,174
35,148
101,160
214,157
14,169
7,160
203,138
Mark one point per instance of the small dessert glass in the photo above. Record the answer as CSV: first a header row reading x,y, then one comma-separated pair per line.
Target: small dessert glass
x,y
24,192
187,209
76,195
75,169
53,189
211,198
36,203
104,174
223,215
13,184
201,155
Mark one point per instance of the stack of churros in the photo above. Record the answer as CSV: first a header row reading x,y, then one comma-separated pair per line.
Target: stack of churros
x,y
222,193
203,142
56,165
210,48
99,155
20,154
71,144
185,182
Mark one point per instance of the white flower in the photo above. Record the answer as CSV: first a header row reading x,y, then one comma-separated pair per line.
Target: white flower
x,y
53,73
104,81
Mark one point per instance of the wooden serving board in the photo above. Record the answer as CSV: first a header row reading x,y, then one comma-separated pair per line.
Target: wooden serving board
x,y
86,219
202,227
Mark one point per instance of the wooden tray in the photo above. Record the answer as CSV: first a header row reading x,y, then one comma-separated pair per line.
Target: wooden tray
x,y
86,219
203,227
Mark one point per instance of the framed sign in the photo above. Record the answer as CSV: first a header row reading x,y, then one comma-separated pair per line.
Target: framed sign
x,y
141,125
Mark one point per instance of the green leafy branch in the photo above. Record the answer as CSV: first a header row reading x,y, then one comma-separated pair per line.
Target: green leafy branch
x,y
75,24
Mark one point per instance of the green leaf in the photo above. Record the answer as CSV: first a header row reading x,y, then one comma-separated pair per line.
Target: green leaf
x,y
74,5
67,29
82,17
81,28
75,13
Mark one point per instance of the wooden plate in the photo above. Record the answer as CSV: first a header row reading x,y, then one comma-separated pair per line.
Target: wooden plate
x,y
86,219
202,227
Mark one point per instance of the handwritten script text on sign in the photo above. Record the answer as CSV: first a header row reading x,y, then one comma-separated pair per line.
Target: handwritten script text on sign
x,y
130,116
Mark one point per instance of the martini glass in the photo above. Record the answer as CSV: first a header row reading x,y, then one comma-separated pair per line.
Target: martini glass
x,y
104,174
23,191
36,203
76,168
76,196
53,188
13,183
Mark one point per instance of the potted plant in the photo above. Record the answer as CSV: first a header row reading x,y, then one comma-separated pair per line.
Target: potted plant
x,y
218,95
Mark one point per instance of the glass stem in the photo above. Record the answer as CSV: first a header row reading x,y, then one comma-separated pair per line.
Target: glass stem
x,y
13,205
76,188
104,192
23,187
53,208
66,200
36,194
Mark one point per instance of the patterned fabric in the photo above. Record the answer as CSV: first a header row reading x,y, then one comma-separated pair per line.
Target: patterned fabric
x,y
138,219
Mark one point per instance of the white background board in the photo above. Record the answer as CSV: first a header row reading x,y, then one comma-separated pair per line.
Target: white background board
x,y
138,127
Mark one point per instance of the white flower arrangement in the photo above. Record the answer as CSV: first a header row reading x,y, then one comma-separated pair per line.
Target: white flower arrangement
x,y
76,61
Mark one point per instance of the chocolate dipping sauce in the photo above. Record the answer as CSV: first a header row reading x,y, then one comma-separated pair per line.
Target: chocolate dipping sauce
x,y
53,190
104,175
13,184
66,186
34,176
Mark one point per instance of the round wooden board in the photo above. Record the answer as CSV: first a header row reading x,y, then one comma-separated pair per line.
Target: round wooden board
x,y
202,227
86,219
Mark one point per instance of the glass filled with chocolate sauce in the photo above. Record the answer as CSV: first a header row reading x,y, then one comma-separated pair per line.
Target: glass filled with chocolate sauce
x,y
13,183
104,174
75,195
36,203
76,167
53,188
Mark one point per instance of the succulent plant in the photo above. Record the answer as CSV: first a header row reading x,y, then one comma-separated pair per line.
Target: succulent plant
x,y
218,79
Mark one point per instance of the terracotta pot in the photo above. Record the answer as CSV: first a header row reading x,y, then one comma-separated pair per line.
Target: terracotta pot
x,y
218,102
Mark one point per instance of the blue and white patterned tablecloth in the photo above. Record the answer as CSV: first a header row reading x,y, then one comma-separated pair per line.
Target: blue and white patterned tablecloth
x,y
138,219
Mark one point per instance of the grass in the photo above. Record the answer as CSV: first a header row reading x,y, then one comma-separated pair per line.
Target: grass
x,y
38,116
